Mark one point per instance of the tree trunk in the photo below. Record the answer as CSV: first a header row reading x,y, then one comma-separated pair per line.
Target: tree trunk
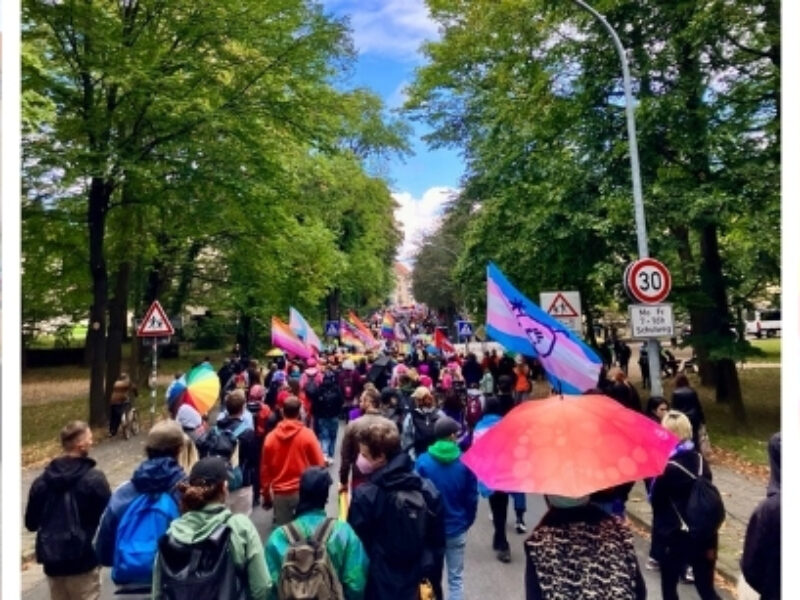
x,y
713,282
99,197
117,325
728,389
332,304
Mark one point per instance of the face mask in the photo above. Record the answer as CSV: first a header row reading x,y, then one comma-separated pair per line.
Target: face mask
x,y
364,464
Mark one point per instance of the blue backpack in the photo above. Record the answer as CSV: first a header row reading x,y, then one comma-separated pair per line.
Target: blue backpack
x,y
145,520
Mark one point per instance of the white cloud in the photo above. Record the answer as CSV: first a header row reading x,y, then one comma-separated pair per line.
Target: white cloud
x,y
419,216
398,97
394,28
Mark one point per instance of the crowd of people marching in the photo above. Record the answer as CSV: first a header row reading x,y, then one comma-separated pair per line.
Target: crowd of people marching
x,y
181,526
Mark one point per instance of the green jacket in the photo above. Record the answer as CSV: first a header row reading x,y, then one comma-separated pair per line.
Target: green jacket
x,y
248,554
344,549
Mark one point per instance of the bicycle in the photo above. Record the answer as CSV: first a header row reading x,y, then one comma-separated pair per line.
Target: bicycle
x,y
129,423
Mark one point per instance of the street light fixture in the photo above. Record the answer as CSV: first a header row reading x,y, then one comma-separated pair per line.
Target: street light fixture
x,y
638,204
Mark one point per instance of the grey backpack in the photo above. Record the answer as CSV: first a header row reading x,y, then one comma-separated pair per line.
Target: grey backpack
x,y
307,572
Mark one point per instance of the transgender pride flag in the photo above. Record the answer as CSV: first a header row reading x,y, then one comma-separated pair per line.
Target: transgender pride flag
x,y
521,326
284,338
302,329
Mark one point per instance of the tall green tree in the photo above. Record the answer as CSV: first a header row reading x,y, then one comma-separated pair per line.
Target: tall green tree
x,y
173,133
532,92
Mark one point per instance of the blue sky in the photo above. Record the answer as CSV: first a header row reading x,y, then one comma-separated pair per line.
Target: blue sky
x,y
387,35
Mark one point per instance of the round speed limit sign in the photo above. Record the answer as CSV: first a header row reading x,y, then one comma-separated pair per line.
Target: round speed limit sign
x,y
648,280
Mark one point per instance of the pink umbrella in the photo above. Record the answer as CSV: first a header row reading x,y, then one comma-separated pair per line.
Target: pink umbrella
x,y
570,446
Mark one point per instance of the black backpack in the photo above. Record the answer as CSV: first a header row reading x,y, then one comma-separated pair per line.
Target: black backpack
x,y
200,571
424,423
225,444
329,399
705,511
406,525
60,537
312,389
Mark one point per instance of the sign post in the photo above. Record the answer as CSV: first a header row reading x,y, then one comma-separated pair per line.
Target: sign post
x,y
154,326
648,281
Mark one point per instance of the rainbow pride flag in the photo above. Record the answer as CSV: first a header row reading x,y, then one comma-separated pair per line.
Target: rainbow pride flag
x,y
362,331
349,338
285,339
387,326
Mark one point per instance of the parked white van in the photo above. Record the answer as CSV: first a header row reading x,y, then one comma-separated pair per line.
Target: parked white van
x,y
763,323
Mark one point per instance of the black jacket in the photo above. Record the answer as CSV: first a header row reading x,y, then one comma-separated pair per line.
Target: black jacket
x,y
249,450
472,372
761,558
91,494
686,401
366,516
670,488
579,551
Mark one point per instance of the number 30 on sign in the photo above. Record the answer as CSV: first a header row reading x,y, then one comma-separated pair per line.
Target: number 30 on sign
x,y
647,280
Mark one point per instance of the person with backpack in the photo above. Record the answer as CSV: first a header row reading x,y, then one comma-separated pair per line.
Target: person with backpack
x,y
64,508
141,509
262,419
348,453
288,451
350,385
311,380
326,409
234,439
687,514
207,533
419,422
314,552
459,489
399,517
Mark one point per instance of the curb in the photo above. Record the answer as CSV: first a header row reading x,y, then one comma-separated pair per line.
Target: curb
x,y
725,573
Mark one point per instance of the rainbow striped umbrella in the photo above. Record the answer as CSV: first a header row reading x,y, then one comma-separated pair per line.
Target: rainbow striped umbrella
x,y
200,388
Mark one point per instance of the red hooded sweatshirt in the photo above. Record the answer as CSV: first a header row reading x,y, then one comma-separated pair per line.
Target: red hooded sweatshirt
x,y
288,451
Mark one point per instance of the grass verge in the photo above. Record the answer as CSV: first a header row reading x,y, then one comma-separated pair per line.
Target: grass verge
x,y
761,390
770,347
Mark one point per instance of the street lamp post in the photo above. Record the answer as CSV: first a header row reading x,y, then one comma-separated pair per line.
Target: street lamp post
x,y
638,204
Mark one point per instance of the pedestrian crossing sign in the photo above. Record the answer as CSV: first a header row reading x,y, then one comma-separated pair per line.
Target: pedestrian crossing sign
x,y
464,329
332,329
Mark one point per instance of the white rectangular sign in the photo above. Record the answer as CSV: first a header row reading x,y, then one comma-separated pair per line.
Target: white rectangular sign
x,y
651,320
565,307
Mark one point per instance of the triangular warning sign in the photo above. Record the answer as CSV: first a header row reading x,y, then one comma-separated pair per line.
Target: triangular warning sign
x,y
561,308
155,322
465,330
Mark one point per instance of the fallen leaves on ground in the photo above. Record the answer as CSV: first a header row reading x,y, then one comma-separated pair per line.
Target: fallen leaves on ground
x,y
733,461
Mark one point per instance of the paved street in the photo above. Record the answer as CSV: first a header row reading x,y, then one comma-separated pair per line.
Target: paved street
x,y
485,577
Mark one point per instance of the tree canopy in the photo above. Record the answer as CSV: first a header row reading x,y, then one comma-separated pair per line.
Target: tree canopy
x,y
531,91
204,154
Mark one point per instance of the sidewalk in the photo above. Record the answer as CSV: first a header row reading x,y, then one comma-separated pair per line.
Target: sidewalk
x,y
739,493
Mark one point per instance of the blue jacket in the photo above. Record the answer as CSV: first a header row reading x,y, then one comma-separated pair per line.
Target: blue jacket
x,y
152,476
455,482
